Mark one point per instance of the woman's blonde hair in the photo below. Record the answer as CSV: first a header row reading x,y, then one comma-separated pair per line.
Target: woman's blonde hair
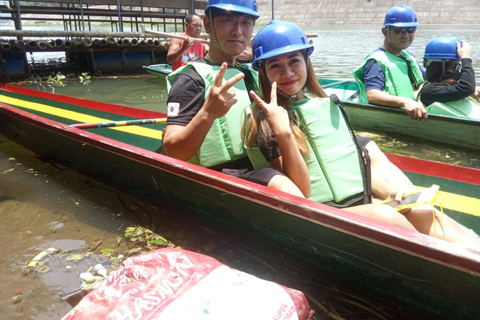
x,y
257,126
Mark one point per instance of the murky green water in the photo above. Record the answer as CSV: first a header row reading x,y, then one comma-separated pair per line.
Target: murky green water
x,y
43,205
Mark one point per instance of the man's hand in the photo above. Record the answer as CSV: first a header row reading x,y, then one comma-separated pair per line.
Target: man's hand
x,y
187,43
415,109
464,50
221,96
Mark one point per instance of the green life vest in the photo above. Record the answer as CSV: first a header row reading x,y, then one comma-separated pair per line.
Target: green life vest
x,y
463,108
397,81
334,163
223,142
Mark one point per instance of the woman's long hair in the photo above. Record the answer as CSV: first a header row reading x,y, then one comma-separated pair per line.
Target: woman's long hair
x,y
435,73
257,126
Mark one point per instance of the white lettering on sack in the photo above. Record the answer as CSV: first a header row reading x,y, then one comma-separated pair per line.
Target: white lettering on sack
x,y
158,274
152,296
174,276
139,273
164,290
145,302
187,264
124,282
280,312
289,313
140,304
128,314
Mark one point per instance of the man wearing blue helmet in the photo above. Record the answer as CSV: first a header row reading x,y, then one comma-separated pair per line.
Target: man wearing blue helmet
x,y
390,74
450,77
207,99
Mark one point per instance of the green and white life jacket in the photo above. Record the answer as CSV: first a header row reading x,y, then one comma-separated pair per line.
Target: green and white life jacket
x,y
223,142
397,81
463,108
334,163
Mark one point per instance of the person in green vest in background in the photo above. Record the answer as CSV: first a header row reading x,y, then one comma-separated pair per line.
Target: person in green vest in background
x,y
451,79
207,99
390,75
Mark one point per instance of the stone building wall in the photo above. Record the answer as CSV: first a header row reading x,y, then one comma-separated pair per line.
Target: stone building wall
x,y
360,12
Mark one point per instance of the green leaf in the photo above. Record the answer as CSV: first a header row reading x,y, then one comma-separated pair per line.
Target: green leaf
x,y
157,241
106,250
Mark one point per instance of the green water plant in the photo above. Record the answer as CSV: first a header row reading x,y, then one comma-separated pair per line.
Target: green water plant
x,y
85,78
56,80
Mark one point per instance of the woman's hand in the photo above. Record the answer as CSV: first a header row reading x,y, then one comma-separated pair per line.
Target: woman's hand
x,y
277,116
291,161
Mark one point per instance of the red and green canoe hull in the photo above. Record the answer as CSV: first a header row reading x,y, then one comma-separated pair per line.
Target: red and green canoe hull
x,y
424,276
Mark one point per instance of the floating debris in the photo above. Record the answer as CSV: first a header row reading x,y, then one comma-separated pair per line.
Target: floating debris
x,y
8,171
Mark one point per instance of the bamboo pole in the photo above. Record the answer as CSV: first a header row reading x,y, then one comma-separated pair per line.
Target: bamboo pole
x,y
100,34
170,35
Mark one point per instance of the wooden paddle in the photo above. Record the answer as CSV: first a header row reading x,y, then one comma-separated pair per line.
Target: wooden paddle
x,y
135,122
171,35
177,36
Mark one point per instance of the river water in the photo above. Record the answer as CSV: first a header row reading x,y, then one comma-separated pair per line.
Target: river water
x,y
45,205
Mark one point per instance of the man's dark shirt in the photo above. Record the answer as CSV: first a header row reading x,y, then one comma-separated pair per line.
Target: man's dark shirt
x,y
440,92
188,90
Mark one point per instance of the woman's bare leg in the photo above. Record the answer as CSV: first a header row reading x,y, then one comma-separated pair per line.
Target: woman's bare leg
x,y
283,183
419,219
387,179
442,227
384,213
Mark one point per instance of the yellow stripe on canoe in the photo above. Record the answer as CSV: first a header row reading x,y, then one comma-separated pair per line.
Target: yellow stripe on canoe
x,y
80,117
448,200
457,202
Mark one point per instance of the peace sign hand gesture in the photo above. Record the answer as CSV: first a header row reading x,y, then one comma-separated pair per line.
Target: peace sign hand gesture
x,y
277,116
222,95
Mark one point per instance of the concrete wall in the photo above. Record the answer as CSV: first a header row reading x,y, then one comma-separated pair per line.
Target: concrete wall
x,y
328,12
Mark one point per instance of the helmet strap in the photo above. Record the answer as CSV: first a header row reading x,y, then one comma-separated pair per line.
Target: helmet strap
x,y
290,97
389,35
443,68
213,29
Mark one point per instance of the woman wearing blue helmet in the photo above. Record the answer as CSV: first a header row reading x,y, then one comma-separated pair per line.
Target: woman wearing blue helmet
x,y
295,129
450,77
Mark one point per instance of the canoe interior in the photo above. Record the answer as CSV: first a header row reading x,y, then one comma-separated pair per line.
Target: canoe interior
x,y
387,268
73,111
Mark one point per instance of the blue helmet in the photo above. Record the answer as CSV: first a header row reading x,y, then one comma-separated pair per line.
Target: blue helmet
x,y
401,16
442,48
278,38
244,6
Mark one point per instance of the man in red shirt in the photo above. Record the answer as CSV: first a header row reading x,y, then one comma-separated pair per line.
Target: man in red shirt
x,y
182,52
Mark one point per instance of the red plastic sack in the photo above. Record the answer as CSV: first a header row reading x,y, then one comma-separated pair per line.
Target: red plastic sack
x,y
174,284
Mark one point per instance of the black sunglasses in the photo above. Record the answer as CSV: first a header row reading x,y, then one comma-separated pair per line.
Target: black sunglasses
x,y
402,30
456,66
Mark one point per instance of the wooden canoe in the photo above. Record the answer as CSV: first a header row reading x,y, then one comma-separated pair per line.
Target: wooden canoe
x,y
424,276
454,131
159,70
